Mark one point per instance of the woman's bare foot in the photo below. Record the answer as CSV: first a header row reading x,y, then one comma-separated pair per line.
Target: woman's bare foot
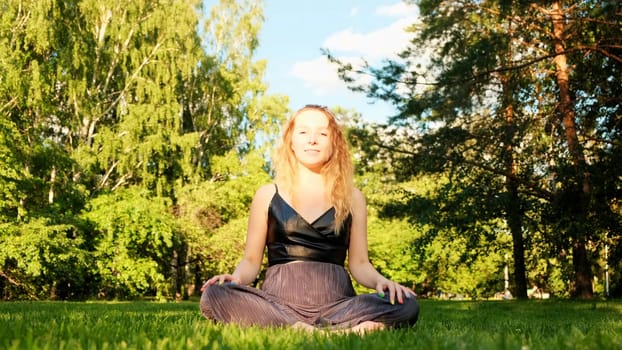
x,y
367,327
304,326
362,328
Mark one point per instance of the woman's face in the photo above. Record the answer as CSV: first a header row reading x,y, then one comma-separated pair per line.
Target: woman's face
x,y
311,139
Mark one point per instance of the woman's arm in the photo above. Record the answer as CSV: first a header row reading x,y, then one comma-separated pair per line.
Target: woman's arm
x,y
358,255
248,268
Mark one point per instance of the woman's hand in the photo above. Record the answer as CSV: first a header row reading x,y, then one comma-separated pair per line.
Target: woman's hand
x,y
220,279
395,290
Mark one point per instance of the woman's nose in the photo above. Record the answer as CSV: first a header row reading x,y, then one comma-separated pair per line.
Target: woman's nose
x,y
312,138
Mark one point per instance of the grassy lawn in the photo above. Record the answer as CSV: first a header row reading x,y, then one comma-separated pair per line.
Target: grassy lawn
x,y
520,325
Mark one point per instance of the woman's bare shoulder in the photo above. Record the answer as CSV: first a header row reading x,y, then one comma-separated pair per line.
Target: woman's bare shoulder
x,y
265,192
357,195
358,199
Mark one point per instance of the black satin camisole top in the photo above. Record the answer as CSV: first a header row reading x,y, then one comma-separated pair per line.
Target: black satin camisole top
x,y
292,238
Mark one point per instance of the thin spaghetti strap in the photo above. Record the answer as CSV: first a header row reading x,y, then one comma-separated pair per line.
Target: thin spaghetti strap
x,y
276,188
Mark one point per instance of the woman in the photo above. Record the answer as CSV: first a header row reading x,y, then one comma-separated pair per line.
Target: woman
x,y
310,219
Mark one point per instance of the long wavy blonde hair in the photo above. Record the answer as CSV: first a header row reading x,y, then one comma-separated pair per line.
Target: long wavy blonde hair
x,y
337,172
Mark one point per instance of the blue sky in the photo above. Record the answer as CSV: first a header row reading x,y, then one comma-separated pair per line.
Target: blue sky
x,y
294,31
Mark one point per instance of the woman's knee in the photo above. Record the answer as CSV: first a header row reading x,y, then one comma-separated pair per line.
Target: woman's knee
x,y
411,311
210,295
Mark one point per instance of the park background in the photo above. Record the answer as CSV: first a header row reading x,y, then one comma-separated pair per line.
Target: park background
x,y
133,135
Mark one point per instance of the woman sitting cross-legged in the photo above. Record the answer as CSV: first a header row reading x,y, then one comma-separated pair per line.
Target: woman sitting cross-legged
x,y
310,219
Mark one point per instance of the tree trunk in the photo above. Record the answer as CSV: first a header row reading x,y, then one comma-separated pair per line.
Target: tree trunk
x,y
512,203
513,207
52,183
515,221
583,276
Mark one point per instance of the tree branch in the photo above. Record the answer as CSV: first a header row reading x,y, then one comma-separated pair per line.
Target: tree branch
x,y
17,284
535,190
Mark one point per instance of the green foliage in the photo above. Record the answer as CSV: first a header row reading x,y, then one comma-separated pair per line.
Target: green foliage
x,y
134,242
39,259
391,250
224,247
211,204
118,113
214,214
452,267
11,173
489,109
426,236
132,140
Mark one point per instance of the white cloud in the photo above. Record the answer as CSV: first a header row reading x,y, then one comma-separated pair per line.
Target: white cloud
x,y
320,76
381,43
399,9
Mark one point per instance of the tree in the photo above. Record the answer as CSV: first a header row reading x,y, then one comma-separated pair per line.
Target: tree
x,y
493,86
41,259
130,101
225,102
134,242
422,231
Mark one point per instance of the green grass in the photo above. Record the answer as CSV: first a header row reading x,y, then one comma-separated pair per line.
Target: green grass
x,y
519,325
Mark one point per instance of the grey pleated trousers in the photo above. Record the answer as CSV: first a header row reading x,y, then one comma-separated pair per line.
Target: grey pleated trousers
x,y
320,294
